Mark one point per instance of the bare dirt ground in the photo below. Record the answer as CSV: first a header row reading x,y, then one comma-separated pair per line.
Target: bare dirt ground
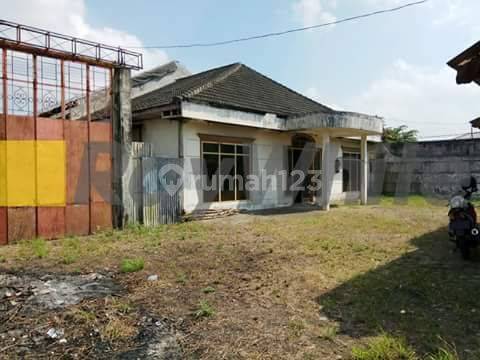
x,y
310,285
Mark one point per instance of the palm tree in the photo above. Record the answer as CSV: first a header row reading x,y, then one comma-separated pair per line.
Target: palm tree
x,y
399,135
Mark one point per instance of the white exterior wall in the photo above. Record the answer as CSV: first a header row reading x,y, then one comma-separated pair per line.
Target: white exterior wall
x,y
163,135
267,152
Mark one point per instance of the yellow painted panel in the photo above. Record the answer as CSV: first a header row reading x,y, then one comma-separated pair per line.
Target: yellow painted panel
x,y
51,188
18,171
3,173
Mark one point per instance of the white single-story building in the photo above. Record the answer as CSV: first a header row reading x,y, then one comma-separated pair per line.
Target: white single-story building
x,y
236,115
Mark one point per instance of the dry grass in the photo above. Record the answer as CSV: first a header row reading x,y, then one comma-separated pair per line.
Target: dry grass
x,y
298,286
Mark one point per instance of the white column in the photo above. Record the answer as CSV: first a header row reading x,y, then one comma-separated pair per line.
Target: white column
x,y
326,172
364,171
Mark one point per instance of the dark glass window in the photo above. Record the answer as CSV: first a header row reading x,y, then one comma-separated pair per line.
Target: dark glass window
x,y
243,149
227,149
227,175
351,171
211,188
210,147
243,166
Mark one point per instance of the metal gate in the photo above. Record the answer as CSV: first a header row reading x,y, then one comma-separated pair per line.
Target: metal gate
x,y
155,186
55,133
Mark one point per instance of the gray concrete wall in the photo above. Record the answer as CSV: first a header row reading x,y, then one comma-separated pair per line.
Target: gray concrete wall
x,y
163,134
434,168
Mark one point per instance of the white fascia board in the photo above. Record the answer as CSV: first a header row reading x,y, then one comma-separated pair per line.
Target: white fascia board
x,y
233,117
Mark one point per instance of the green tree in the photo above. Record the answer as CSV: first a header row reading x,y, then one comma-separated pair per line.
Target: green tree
x,y
399,134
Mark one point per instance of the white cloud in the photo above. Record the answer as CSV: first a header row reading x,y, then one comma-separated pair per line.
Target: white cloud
x,y
443,12
423,98
312,12
70,17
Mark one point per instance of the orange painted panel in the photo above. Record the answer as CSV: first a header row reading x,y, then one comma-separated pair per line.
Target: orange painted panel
x,y
76,137
21,223
3,226
20,128
101,161
100,131
101,178
76,220
51,222
101,217
2,127
49,129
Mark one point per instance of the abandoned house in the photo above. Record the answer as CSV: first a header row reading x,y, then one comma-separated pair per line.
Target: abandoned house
x,y
235,113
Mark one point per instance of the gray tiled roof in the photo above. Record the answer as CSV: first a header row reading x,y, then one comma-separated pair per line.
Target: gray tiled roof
x,y
233,86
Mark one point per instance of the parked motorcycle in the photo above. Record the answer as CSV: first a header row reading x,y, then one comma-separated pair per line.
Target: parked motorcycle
x,y
463,228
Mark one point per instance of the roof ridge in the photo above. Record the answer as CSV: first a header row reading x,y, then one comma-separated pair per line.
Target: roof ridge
x,y
230,69
287,88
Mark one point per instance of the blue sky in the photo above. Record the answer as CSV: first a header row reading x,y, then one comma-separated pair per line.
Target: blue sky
x,y
392,65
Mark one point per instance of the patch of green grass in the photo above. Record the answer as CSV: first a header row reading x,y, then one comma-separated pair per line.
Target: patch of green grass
x,y
38,248
208,290
122,306
71,249
330,332
204,309
416,201
181,278
132,265
83,317
385,347
448,352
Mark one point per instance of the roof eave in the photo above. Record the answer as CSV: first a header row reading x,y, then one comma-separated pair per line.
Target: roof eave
x,y
357,123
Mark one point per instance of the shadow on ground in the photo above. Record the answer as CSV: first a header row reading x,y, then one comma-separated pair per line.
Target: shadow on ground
x,y
427,296
287,210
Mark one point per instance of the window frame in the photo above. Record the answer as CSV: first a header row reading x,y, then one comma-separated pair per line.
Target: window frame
x,y
235,154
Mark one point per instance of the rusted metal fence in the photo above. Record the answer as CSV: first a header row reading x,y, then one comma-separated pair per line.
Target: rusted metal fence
x,y
48,99
162,190
155,186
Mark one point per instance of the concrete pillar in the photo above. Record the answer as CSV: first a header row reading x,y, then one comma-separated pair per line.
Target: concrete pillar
x,y
327,172
364,171
122,143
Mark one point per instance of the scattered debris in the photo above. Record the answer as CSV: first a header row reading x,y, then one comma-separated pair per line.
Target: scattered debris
x,y
153,278
158,342
57,291
36,312
53,333
210,214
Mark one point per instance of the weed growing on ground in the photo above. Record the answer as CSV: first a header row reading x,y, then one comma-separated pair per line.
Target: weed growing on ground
x,y
38,248
204,309
208,290
385,347
132,265
117,329
181,278
71,249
